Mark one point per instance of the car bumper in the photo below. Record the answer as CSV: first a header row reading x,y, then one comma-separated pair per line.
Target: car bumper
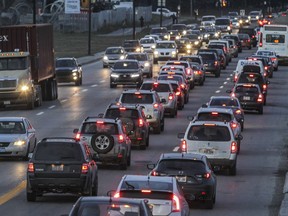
x,y
251,105
126,81
14,98
223,163
198,192
13,151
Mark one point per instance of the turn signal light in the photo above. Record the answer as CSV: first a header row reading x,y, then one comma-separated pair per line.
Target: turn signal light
x,y
183,146
233,147
85,168
30,167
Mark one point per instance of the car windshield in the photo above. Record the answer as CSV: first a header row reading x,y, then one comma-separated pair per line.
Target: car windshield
x,y
107,208
181,164
178,27
122,113
138,57
208,18
209,133
126,65
147,41
14,63
243,36
114,51
248,89
191,59
12,127
130,43
222,22
214,116
99,127
158,87
166,45
160,30
137,98
223,102
58,151
182,41
65,63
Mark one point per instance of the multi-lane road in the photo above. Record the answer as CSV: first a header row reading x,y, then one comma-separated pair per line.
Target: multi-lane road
x,y
255,190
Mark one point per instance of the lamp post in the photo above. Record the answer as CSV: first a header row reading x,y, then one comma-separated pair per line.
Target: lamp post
x,y
134,22
89,28
34,11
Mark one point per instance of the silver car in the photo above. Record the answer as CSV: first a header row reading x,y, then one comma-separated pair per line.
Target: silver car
x,y
17,137
272,55
113,54
144,61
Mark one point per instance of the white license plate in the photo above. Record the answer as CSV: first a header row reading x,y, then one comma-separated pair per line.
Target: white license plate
x,y
2,150
7,102
57,168
124,75
246,98
206,151
181,178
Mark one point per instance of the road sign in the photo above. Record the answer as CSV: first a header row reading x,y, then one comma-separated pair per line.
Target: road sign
x,y
161,3
242,12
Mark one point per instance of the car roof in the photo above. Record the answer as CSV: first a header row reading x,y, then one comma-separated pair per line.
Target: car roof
x,y
138,90
94,119
157,81
174,155
214,109
115,47
66,58
107,199
167,179
223,97
216,123
12,119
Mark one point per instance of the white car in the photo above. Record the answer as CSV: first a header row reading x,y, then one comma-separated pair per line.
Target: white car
x,y
271,54
17,137
148,44
165,50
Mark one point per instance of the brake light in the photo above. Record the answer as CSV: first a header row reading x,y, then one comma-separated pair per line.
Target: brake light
x,y
156,105
216,63
120,138
260,98
175,204
178,93
266,67
188,71
273,59
77,137
235,78
99,122
233,147
253,36
183,146
146,191
207,175
182,86
214,113
233,94
170,96
85,168
30,167
154,173
155,84
233,125
264,87
251,75
238,111
140,122
260,41
122,108
248,40
198,72
117,195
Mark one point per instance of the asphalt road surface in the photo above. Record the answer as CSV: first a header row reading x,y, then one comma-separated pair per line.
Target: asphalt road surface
x,y
255,190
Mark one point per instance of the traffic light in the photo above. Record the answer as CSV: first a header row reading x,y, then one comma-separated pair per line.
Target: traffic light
x,y
223,3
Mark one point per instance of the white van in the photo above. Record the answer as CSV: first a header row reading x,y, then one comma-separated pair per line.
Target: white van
x,y
214,139
243,62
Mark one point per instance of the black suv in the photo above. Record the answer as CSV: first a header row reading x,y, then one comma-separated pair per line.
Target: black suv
x,y
193,172
134,121
211,63
252,34
61,165
107,141
68,70
132,46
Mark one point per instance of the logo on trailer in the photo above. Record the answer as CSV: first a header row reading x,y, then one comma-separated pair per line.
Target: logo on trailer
x,y
3,38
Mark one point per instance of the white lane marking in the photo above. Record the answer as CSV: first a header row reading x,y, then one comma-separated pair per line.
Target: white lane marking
x,y
84,90
93,86
51,107
225,83
221,87
64,100
218,91
40,113
228,78
176,149
102,81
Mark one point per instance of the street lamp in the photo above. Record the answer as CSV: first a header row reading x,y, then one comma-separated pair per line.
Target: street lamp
x,y
134,23
89,28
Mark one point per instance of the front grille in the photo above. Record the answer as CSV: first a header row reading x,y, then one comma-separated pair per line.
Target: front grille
x,y
7,83
4,144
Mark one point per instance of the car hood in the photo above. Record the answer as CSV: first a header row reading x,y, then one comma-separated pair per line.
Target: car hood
x,y
12,137
124,71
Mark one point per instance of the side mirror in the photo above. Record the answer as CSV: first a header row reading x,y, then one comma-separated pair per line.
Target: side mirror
x,y
75,130
190,118
229,91
204,106
151,166
277,56
101,115
163,100
239,137
181,135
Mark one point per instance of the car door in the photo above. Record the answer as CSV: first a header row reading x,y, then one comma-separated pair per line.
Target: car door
x,y
30,131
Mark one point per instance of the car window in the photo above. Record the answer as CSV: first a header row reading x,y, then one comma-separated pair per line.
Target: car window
x,y
168,77
114,51
65,63
121,113
159,87
209,133
168,186
214,116
244,89
126,65
223,102
181,164
251,78
138,57
58,152
222,22
130,43
137,98
12,127
102,127
207,56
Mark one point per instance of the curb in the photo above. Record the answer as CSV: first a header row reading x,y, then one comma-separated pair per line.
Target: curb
x,y
283,211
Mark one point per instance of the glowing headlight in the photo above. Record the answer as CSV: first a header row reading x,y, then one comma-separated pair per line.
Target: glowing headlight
x,y
177,37
199,38
206,35
166,36
249,17
138,49
114,75
184,32
228,28
257,17
173,52
122,57
156,53
135,75
237,24
240,21
105,58
146,64
188,46
247,21
19,143
24,88
216,34
196,42
153,46
74,74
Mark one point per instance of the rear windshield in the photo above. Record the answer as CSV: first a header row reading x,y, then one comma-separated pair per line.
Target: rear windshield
x,y
207,56
209,133
177,78
223,102
244,89
181,164
125,65
152,185
191,59
138,57
147,41
214,116
192,36
159,87
243,36
265,53
275,38
251,78
102,127
105,209
58,151
251,68
137,98
121,113
178,63
222,22
246,31
231,37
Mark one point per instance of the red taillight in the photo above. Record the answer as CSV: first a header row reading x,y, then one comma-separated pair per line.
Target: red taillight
x,y
198,72
154,173
214,113
260,40
77,137
234,147
183,146
117,195
120,138
175,204
122,108
30,167
248,40
85,168
251,75
146,191
260,44
140,122
253,36
170,97
182,86
99,122
274,59
233,125
232,94
188,71
264,87
156,105
260,98
266,67
207,175
178,93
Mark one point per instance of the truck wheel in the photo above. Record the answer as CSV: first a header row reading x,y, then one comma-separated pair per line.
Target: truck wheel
x,y
40,100
31,196
31,103
232,170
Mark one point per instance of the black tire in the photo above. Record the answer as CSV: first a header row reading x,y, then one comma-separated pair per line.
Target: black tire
x,y
232,170
242,126
124,164
143,147
31,196
186,99
105,66
271,76
129,159
38,103
250,47
260,110
209,204
157,130
95,187
31,103
239,147
89,190
112,85
26,157
201,83
217,74
148,140
106,144
162,124
276,69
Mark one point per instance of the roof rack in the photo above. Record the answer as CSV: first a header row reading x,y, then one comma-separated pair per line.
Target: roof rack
x,y
47,139
88,117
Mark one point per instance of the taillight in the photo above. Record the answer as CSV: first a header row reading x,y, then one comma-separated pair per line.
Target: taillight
x,y
120,138
233,94
248,40
238,111
85,168
207,175
154,173
264,87
140,122
117,195
253,36
175,204
235,78
273,59
198,72
178,93
233,125
260,98
156,105
216,63
183,146
266,67
188,71
233,147
182,86
145,191
30,167
170,96
77,137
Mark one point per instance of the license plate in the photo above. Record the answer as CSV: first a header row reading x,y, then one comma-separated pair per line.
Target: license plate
x,y
124,75
181,178
2,150
246,98
6,102
206,151
57,168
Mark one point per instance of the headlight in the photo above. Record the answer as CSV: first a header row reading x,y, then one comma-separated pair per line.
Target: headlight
x,y
105,57
114,75
173,52
146,64
122,57
247,21
228,28
199,38
237,24
19,143
177,37
240,21
188,46
138,49
206,35
257,17
249,17
153,46
216,34
156,52
135,75
184,32
24,88
166,36
196,42
74,74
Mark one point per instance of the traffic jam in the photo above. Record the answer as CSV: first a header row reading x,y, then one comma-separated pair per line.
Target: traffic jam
x,y
156,76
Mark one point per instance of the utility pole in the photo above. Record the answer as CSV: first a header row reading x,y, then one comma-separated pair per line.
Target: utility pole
x,y
134,23
89,28
161,13
34,11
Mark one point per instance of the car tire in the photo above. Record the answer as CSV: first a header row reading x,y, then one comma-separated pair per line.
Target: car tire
x,y
26,157
157,130
103,147
104,66
95,187
232,170
271,76
148,140
31,196
217,74
113,85
239,147
242,126
124,164
162,124
260,110
276,69
209,204
89,190
186,99
77,83
250,47
129,159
